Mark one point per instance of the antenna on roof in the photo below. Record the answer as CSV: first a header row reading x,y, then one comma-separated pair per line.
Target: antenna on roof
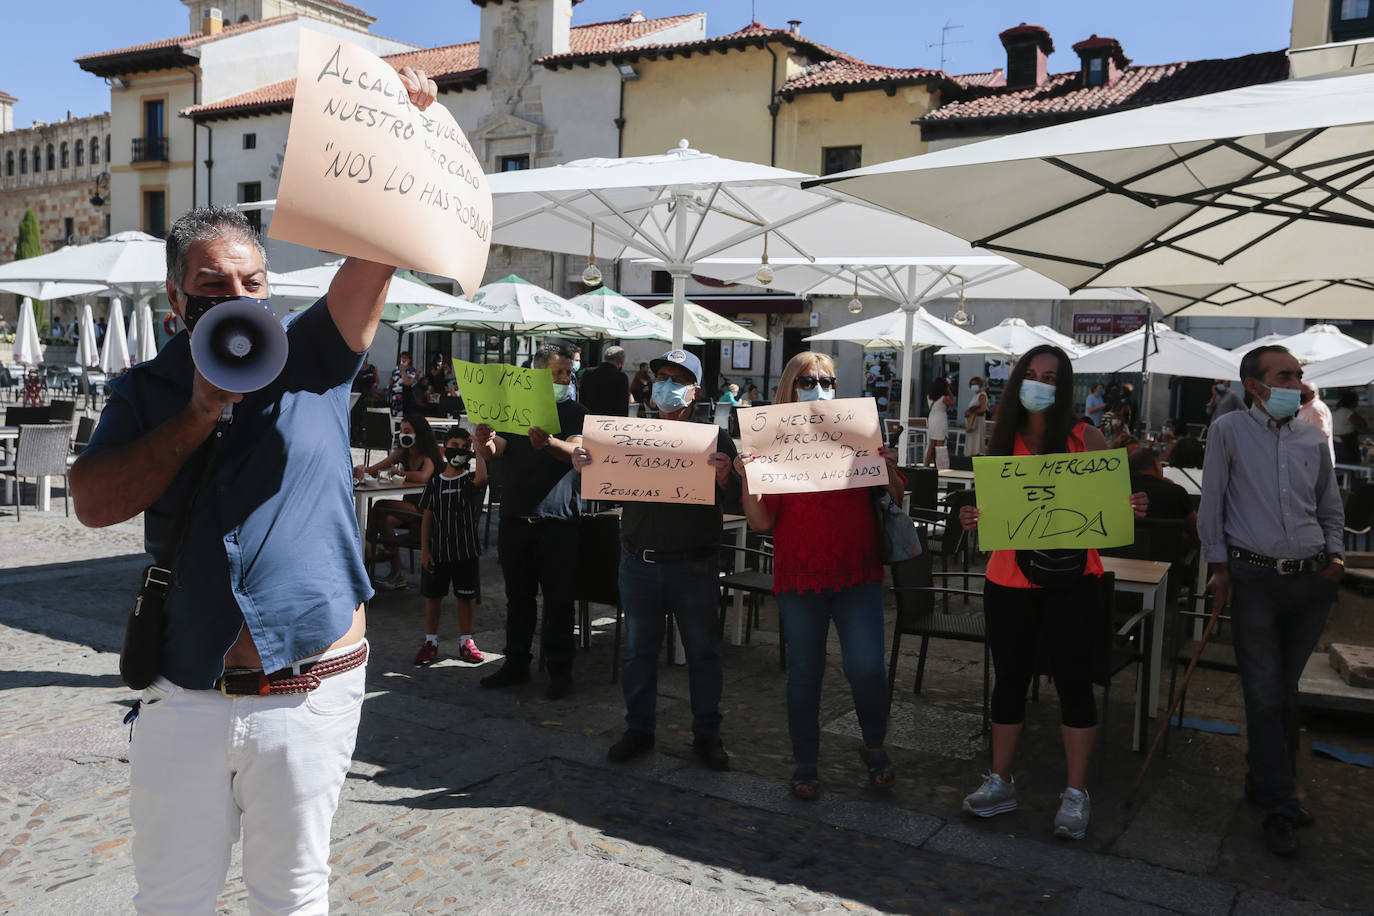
x,y
945,42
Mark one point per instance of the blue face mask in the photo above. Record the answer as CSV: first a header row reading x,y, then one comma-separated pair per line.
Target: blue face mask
x,y
1282,403
671,396
561,392
1037,397
815,393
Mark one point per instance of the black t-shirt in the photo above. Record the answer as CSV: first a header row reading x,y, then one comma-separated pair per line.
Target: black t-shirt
x,y
677,527
456,503
1167,499
529,474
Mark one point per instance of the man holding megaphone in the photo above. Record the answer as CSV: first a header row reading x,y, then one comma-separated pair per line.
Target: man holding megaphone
x,y
233,442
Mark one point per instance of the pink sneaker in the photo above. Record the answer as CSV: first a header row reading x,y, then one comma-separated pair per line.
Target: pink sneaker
x,y
469,652
426,655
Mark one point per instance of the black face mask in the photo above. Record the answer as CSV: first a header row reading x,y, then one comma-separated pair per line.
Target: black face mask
x,y
197,306
458,458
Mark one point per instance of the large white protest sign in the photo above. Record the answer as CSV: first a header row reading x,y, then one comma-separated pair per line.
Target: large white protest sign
x,y
813,445
367,174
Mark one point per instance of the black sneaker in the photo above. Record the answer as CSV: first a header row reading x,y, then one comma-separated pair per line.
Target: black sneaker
x,y
508,675
711,752
1280,835
1303,817
560,685
631,745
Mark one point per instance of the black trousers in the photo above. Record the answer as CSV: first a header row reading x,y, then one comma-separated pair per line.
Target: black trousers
x,y
1018,620
539,556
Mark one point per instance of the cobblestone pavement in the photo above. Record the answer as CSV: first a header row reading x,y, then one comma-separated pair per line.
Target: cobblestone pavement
x,y
462,799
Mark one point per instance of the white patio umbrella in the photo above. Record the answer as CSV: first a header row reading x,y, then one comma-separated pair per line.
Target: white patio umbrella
x,y
1063,341
1268,183
1341,298
27,350
686,205
1170,352
44,290
132,337
705,324
1351,369
893,330
147,337
628,319
1319,342
1264,341
1016,337
114,354
404,289
87,353
515,306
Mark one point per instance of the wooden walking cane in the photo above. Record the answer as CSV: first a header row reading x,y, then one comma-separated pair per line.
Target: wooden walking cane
x,y
1177,698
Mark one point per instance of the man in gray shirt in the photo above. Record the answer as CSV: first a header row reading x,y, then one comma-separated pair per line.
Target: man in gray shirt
x,y
1223,401
1272,531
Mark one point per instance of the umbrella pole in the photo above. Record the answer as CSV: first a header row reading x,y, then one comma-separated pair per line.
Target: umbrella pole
x,y
1145,369
905,408
680,270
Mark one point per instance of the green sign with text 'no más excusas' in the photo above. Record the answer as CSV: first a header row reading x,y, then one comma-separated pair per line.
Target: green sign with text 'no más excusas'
x,y
507,398
1050,502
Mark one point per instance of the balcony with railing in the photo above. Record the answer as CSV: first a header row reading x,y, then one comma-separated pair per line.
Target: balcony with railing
x,y
150,149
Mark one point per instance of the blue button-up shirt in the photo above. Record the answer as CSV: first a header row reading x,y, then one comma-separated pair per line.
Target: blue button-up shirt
x,y
273,542
1268,488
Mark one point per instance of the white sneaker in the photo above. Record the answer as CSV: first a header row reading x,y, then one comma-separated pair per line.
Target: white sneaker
x,y
1071,823
392,582
995,796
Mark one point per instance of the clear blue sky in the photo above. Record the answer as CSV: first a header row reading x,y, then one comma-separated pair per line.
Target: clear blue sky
x,y
41,39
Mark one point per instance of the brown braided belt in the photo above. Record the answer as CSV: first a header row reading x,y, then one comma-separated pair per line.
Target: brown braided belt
x,y
252,682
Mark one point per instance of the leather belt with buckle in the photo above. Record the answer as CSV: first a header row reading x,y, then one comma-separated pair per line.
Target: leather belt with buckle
x,y
253,682
1284,567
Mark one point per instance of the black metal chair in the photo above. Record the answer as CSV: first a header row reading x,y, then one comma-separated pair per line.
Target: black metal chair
x,y
377,434
756,584
19,416
41,452
913,585
61,411
405,535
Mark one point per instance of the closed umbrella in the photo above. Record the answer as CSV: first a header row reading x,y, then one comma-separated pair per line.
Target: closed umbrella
x,y
133,334
706,324
87,353
1319,342
147,338
628,319
27,350
114,357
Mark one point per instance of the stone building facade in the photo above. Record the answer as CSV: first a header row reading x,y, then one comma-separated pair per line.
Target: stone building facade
x,y
57,169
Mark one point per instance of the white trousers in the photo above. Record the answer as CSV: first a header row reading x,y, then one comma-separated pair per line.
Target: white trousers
x,y
205,766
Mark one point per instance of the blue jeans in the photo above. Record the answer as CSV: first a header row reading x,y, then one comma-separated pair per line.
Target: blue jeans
x,y
1275,621
858,615
648,592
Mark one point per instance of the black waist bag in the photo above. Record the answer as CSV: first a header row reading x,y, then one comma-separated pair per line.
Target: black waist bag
x,y
1052,568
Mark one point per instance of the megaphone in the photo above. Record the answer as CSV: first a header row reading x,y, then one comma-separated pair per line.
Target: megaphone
x,y
239,345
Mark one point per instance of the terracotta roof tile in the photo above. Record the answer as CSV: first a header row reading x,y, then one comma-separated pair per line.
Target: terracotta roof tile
x,y
755,30
997,77
837,74
598,37
1064,96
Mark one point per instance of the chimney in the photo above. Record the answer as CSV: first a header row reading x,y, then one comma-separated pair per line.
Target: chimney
x,y
1101,60
213,23
794,26
1028,50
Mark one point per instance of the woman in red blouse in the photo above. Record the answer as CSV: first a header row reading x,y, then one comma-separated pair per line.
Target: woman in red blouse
x,y
1036,417
826,567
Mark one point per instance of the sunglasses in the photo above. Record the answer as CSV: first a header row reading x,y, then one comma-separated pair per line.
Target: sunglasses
x,y
807,382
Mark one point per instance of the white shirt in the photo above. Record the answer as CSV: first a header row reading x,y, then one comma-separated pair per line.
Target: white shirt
x,y
937,425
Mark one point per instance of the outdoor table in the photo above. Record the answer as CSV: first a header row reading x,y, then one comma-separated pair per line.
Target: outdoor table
x,y
1150,580
364,495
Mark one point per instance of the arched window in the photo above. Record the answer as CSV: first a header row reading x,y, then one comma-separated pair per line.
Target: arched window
x,y
52,158
95,151
107,147
66,155
23,162
9,164
37,159
80,154
243,19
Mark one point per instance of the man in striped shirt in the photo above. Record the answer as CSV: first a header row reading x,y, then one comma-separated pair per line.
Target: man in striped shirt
x,y
451,504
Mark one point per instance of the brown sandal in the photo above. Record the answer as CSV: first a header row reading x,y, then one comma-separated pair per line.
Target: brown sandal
x,y
880,772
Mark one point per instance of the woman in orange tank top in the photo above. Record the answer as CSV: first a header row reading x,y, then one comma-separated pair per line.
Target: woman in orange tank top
x,y
1036,417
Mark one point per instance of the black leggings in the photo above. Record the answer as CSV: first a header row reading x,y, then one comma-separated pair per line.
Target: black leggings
x,y
1064,621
